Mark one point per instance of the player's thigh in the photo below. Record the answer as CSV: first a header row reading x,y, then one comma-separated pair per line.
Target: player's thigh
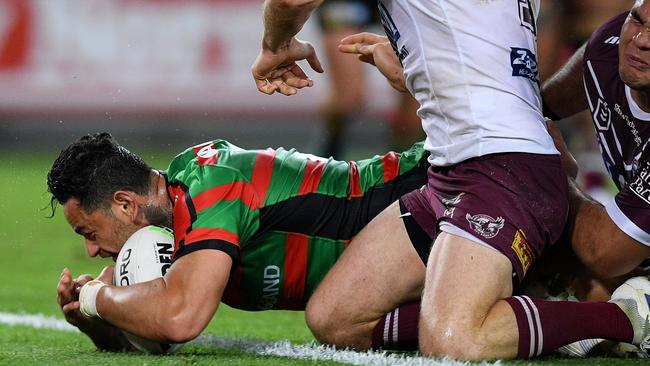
x,y
379,271
464,280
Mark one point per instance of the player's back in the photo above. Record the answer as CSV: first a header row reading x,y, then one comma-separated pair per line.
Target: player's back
x,y
472,66
283,216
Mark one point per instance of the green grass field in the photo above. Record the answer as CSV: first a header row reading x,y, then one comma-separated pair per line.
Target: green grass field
x,y
36,248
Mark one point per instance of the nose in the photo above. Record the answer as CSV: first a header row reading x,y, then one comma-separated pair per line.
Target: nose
x,y
92,248
642,38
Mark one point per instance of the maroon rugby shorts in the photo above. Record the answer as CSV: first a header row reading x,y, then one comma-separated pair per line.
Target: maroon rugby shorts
x,y
517,203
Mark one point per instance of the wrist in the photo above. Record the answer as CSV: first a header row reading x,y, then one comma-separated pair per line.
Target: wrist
x,y
88,298
275,46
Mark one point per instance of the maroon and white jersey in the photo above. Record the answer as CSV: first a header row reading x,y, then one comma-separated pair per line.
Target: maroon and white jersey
x,y
623,131
472,66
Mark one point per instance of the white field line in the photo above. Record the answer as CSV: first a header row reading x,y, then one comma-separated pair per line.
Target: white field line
x,y
286,349
315,352
36,321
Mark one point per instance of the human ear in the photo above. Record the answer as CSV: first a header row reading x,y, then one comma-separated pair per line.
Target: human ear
x,y
124,204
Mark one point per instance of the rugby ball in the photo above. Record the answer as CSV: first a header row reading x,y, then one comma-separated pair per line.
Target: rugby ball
x,y
145,256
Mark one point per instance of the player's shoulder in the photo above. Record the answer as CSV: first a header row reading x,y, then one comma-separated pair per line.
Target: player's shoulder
x,y
218,159
604,41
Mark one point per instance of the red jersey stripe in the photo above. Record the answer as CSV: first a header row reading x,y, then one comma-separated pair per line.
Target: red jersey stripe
x,y
390,163
200,234
227,192
295,271
206,154
181,212
312,176
355,185
262,172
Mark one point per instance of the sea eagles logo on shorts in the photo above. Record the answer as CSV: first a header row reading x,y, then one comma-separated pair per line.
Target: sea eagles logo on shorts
x,y
524,63
450,204
521,247
485,225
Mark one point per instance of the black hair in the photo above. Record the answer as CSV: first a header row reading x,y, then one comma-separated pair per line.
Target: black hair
x,y
92,169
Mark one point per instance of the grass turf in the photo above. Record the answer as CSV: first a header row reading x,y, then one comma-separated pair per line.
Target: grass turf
x,y
36,248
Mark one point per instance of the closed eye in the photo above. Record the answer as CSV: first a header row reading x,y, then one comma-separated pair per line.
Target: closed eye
x,y
636,17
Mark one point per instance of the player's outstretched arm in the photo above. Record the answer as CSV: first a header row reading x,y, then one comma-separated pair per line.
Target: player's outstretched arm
x,y
275,68
173,309
104,336
376,50
564,93
597,241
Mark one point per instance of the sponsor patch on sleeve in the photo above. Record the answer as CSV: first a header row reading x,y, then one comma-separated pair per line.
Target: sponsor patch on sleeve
x,y
521,247
524,63
641,183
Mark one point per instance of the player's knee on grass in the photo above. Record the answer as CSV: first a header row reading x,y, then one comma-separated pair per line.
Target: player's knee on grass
x,y
321,320
329,328
446,338
323,324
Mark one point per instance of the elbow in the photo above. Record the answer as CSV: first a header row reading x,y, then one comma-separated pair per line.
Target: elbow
x,y
180,324
181,329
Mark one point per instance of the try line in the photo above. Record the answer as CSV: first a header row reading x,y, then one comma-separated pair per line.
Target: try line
x,y
285,349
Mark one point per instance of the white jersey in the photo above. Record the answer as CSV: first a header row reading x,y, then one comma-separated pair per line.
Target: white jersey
x,y
472,66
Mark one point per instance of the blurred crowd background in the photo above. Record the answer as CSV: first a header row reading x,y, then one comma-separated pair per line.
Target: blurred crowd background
x,y
165,74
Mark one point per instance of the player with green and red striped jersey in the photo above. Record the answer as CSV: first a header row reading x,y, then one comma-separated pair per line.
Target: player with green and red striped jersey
x,y
284,217
257,229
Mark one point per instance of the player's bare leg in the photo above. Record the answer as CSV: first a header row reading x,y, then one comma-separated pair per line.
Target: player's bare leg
x,y
462,315
468,313
379,271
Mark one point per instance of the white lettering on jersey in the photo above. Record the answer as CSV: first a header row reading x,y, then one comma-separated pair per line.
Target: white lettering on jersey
x,y
641,184
271,288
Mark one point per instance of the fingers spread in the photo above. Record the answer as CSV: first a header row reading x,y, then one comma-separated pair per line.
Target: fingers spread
x,y
297,78
283,88
265,87
363,37
349,48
